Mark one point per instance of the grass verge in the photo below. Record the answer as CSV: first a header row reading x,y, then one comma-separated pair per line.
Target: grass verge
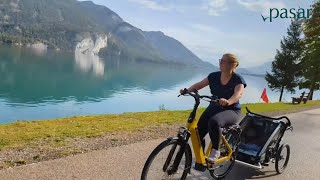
x,y
23,133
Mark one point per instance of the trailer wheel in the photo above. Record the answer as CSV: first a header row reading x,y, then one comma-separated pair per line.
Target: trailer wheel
x,y
282,158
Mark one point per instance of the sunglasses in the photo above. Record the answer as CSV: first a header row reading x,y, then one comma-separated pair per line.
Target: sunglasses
x,y
223,61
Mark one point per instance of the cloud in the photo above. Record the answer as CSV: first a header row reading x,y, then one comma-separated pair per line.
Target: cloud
x,y
209,43
261,6
204,28
194,39
150,4
214,7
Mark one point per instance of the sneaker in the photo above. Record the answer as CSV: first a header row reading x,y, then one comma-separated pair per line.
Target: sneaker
x,y
215,154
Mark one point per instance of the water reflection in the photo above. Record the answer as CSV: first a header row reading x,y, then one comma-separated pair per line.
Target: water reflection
x,y
55,85
38,49
32,79
89,61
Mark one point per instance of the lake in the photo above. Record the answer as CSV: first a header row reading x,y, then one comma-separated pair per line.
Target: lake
x,y
36,85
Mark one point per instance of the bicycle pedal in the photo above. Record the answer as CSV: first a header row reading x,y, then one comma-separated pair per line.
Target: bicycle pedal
x,y
200,167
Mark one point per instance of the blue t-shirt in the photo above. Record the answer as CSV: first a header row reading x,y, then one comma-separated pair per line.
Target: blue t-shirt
x,y
225,91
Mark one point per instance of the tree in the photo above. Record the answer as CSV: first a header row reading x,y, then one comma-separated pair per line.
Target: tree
x,y
311,55
286,66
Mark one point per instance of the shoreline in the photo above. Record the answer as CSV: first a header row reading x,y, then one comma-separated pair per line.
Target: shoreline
x,y
55,146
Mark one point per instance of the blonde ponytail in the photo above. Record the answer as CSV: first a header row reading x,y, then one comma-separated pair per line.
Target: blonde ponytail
x,y
232,59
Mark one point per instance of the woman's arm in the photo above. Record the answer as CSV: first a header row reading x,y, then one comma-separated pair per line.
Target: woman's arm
x,y
199,85
238,91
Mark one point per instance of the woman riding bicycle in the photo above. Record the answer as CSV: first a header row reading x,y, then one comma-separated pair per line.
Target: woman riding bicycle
x,y
228,87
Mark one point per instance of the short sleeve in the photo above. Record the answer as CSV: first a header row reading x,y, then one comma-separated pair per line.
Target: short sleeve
x,y
240,80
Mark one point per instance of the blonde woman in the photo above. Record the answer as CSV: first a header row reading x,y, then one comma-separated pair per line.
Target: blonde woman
x,y
228,87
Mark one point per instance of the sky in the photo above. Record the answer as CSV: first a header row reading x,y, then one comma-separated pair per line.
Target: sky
x,y
210,28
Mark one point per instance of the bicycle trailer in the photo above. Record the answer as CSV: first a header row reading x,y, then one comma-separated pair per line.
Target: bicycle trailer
x,y
261,141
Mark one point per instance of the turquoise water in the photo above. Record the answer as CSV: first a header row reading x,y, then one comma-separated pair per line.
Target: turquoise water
x,y
42,85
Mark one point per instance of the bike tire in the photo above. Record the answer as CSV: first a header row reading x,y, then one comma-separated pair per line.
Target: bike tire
x,y
232,161
162,146
278,158
217,175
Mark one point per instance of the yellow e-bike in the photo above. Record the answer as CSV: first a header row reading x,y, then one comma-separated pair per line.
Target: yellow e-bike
x,y
172,159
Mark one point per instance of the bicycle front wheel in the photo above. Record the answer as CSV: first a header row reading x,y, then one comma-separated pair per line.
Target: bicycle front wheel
x,y
169,160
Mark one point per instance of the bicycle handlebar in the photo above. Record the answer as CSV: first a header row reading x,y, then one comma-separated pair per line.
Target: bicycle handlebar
x,y
197,97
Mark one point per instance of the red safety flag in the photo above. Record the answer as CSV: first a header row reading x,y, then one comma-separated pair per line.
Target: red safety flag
x,y
264,96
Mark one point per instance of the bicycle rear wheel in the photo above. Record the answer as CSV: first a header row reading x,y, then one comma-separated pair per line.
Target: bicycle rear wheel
x,y
169,160
221,170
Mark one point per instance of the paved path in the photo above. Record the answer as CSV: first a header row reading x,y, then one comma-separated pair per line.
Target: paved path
x,y
126,162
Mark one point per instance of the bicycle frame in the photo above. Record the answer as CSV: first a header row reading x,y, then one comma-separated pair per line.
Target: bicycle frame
x,y
192,126
181,141
197,147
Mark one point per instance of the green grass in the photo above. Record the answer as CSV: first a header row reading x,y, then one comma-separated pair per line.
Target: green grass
x,y
24,133
263,107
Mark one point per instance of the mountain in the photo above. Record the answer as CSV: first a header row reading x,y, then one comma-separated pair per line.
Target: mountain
x,y
171,49
243,71
83,27
260,70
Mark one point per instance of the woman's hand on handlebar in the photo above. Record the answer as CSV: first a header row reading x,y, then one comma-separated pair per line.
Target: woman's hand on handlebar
x,y
223,102
183,91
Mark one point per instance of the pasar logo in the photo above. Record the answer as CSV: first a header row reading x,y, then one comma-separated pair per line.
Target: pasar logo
x,y
284,13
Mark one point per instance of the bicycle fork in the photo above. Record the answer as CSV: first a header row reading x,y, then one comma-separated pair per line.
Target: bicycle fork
x,y
183,136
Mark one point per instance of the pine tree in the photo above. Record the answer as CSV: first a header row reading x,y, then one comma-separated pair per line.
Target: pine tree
x,y
311,55
286,66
